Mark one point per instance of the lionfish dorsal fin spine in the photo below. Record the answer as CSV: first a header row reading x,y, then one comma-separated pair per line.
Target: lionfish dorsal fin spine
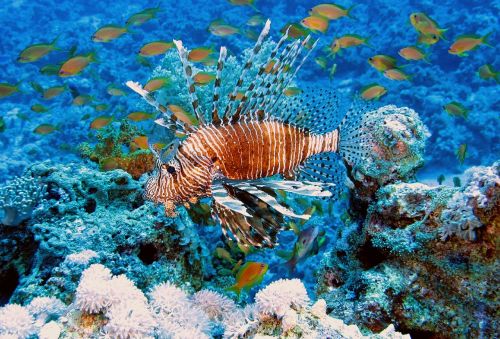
x,y
188,74
220,66
248,65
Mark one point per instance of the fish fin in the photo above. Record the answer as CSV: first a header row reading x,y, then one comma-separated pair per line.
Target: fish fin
x,y
248,213
355,143
228,113
235,288
291,265
220,66
349,12
315,110
325,168
37,87
188,73
168,120
484,39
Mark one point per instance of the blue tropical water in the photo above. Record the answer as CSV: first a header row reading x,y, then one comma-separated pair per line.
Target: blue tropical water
x,y
410,240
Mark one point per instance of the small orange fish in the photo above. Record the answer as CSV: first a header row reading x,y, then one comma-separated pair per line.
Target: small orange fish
x,y
461,153
295,30
76,64
456,109
53,92
487,72
156,83
429,40
108,33
221,28
396,74
115,90
331,11
199,54
346,41
45,129
109,164
100,122
143,16
203,78
37,51
466,43
141,142
7,89
382,62
39,108
249,275
82,99
292,91
139,116
184,116
155,48
101,107
256,20
315,23
413,53
425,25
373,92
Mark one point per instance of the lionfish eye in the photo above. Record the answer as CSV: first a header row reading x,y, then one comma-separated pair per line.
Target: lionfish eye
x,y
171,169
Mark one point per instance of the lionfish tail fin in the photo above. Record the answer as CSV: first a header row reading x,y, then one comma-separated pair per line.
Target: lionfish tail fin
x,y
355,143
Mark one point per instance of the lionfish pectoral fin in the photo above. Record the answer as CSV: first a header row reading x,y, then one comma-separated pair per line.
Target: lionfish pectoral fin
x,y
249,212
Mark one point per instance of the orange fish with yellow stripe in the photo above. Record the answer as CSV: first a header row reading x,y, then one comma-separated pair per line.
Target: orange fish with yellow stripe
x,y
264,142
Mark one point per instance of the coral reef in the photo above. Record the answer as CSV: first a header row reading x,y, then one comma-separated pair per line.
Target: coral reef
x,y
400,269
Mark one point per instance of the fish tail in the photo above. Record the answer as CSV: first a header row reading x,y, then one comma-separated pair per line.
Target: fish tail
x,y
92,56
54,42
235,288
484,40
349,12
355,144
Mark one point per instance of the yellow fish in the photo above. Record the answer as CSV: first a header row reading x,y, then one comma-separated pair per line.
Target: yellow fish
x,y
256,20
244,3
461,153
183,115
7,89
466,43
156,83
382,62
331,11
45,129
203,78
155,48
139,116
249,275
373,92
140,142
396,74
52,69
142,16
427,39
456,109
425,25
76,64
37,51
488,72
295,30
221,253
221,28
39,108
53,92
82,99
315,23
346,41
100,122
199,54
292,91
413,53
114,90
108,33
101,107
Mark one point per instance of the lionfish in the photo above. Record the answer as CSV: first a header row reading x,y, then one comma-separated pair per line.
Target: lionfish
x,y
256,146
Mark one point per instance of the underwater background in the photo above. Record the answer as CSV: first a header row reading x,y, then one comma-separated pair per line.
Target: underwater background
x,y
409,249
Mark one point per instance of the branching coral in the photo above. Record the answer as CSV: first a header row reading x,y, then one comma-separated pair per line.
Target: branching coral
x,y
18,198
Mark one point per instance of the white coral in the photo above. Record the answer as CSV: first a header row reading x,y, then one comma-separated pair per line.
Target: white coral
x,y
16,320
82,257
93,291
50,330
129,318
279,296
123,289
319,308
44,309
289,321
217,306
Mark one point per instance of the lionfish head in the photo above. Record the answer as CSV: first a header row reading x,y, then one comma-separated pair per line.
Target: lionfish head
x,y
172,184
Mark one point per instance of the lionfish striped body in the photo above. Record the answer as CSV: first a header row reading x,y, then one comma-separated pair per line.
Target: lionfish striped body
x,y
237,157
